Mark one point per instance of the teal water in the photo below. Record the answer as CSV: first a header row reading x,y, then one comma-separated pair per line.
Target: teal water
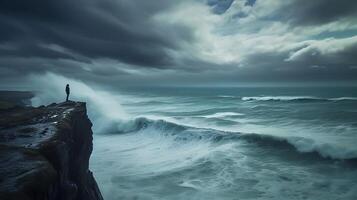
x,y
229,143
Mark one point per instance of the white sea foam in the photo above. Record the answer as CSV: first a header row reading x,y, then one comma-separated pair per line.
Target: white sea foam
x,y
326,149
303,139
223,114
294,98
226,96
153,159
343,98
279,98
177,157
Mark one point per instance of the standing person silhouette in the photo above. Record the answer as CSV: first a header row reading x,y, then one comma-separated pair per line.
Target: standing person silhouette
x,y
67,91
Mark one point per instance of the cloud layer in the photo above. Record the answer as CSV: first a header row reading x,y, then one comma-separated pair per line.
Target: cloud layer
x,y
163,42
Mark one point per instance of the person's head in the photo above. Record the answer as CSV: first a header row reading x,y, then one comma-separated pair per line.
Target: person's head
x,y
67,85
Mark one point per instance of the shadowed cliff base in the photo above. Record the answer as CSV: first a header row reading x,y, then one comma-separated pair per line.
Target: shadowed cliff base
x,y
45,153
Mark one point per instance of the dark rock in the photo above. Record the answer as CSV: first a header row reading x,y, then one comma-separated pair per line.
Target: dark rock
x,y
15,98
44,153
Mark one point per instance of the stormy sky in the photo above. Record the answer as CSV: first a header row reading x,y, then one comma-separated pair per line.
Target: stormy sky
x,y
188,42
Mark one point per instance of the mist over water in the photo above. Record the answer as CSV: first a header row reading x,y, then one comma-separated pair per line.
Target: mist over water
x,y
219,143
103,107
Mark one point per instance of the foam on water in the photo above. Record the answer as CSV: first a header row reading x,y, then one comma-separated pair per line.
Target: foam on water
x,y
198,147
162,160
328,148
296,98
223,114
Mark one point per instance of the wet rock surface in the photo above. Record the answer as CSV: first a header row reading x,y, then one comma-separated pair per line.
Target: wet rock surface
x,y
44,153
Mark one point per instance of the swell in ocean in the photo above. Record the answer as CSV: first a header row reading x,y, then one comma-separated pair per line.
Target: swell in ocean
x,y
181,132
235,143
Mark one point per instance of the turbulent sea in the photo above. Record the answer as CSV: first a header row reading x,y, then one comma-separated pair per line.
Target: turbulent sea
x,y
228,143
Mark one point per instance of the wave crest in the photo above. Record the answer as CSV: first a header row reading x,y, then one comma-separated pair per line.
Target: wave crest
x,y
187,133
296,98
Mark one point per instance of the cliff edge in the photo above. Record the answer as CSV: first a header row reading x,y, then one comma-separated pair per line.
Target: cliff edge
x,y
44,153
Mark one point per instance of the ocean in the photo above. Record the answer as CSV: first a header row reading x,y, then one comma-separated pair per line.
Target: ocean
x,y
229,143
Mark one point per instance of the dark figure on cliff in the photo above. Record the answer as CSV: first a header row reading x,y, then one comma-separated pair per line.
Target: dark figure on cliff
x,y
67,91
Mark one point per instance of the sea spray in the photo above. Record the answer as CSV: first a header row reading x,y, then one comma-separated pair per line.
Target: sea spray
x,y
197,147
104,108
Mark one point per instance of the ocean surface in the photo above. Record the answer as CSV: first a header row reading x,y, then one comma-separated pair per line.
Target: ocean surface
x,y
229,143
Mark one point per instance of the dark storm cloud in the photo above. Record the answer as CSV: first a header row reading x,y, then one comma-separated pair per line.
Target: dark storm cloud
x,y
219,6
122,30
250,2
311,65
346,57
316,12
147,42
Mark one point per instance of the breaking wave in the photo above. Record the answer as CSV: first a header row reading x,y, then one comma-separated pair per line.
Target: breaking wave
x,y
296,98
226,96
104,108
189,133
223,114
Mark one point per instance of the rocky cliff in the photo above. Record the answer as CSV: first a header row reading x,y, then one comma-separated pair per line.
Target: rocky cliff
x,y
44,153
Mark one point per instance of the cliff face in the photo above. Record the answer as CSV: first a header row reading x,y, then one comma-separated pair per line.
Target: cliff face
x,y
44,153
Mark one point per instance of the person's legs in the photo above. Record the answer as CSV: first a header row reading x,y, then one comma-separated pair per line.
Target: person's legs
x,y
67,97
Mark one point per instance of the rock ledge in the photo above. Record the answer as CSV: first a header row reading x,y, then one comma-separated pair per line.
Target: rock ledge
x,y
44,153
